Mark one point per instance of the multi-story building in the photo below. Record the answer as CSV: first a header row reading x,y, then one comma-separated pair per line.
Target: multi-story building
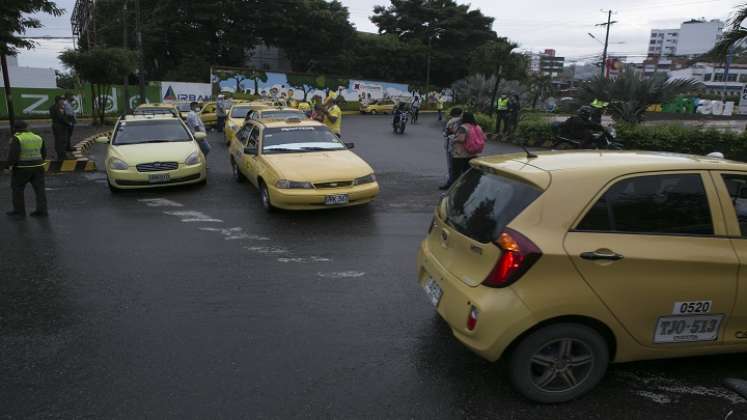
x,y
693,37
546,63
28,77
712,76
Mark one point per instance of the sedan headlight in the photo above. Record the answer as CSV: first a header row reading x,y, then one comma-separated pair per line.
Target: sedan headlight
x,y
284,184
368,179
193,159
118,164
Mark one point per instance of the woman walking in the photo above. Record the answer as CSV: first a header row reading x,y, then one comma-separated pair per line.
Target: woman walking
x,y
468,144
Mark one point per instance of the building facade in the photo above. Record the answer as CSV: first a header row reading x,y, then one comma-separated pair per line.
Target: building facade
x,y
29,77
546,63
663,42
693,37
712,76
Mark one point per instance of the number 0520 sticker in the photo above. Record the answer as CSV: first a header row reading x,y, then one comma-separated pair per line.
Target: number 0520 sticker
x,y
687,329
694,307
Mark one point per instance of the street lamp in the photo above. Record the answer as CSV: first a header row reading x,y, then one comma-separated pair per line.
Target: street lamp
x,y
436,32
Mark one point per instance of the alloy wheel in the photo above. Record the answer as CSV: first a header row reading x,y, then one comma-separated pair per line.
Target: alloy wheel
x,y
561,365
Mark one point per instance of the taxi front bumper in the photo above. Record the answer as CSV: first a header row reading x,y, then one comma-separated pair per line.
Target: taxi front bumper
x,y
131,178
314,199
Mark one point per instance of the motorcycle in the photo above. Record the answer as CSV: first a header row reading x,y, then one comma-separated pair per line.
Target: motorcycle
x,y
604,140
400,122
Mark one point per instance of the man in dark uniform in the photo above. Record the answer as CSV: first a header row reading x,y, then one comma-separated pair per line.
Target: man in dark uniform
x,y
26,157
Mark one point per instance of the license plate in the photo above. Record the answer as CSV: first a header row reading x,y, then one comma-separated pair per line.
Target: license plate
x,y
686,329
433,290
159,178
332,200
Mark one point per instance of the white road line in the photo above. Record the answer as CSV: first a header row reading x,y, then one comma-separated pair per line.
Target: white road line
x,y
657,398
193,216
235,233
303,260
659,385
159,202
342,275
267,250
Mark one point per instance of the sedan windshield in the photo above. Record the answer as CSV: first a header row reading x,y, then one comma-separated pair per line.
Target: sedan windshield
x,y
240,112
166,131
300,139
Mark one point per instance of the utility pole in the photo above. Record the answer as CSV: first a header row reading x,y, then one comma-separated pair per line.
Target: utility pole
x,y
8,96
126,107
140,58
428,68
609,23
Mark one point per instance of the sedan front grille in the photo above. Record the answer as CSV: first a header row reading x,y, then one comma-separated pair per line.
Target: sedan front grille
x,y
338,184
157,166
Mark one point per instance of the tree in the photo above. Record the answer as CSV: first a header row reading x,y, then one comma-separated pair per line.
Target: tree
x,y
387,57
458,29
630,95
15,20
498,58
474,91
734,37
539,86
101,67
67,81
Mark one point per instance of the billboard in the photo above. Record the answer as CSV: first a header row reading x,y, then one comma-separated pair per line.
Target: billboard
x,y
185,92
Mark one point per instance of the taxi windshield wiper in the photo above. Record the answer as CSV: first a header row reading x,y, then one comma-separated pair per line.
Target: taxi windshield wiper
x,y
281,149
317,149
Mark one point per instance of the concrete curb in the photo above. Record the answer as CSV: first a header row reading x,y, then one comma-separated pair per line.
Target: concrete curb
x,y
81,163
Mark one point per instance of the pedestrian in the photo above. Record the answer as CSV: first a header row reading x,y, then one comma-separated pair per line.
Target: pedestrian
x,y
465,134
26,159
455,120
501,114
317,113
60,127
196,125
514,109
71,121
220,113
415,107
440,107
332,114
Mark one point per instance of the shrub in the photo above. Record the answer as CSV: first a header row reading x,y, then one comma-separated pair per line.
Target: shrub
x,y
486,122
534,131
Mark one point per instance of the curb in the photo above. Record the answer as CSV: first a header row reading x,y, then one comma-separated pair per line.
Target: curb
x,y
81,163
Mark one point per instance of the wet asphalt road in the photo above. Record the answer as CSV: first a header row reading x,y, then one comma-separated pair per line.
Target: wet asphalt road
x,y
194,303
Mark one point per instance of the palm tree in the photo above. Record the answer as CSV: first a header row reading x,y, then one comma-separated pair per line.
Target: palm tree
x,y
733,37
630,94
539,87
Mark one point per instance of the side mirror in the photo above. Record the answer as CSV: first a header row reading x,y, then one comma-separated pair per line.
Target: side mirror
x,y
350,145
102,140
200,135
250,150
442,208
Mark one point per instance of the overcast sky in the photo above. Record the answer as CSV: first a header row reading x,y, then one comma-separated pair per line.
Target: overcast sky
x,y
533,24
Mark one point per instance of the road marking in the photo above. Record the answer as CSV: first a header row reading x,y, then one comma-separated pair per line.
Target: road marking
x,y
159,202
657,398
303,260
235,233
266,250
342,275
193,216
659,384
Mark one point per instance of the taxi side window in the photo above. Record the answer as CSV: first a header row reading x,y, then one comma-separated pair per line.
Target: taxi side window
x,y
737,186
252,141
652,204
243,134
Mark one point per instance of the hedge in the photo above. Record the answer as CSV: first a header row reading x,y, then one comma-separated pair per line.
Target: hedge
x,y
663,138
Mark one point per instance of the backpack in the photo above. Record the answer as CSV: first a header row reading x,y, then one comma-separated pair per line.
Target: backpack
x,y
475,141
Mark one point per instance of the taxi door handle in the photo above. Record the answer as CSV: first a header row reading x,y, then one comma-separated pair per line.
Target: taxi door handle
x,y
601,254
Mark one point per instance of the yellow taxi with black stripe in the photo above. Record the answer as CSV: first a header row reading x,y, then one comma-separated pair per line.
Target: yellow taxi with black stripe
x,y
237,114
300,165
147,151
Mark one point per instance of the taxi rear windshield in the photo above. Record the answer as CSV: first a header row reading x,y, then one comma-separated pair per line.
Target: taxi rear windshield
x,y
282,115
482,204
150,132
240,112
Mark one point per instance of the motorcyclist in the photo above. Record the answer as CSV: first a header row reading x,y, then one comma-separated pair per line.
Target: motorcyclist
x,y
399,110
598,107
581,128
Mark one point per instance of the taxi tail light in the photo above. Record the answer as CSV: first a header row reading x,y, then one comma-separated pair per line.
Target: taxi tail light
x,y
472,318
519,255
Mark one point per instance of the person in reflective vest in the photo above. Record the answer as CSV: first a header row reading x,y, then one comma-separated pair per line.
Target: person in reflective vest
x,y
598,107
502,115
26,158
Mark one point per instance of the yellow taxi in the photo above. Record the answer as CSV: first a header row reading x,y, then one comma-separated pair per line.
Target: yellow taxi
x,y
157,108
564,262
300,165
236,116
378,107
277,113
208,114
147,151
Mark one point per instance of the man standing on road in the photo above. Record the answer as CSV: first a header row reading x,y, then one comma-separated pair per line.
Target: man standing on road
x,y
440,107
501,112
60,127
332,114
455,121
70,116
26,158
220,113
195,124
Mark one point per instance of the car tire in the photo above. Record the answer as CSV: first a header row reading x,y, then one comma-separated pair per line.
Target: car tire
x,y
237,175
264,196
558,363
373,112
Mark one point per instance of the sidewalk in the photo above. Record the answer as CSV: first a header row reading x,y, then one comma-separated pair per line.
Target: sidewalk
x,y
43,129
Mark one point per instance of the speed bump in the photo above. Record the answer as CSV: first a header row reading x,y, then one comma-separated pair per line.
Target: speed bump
x,y
68,165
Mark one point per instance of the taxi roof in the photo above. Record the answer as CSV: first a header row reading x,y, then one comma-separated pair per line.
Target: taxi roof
x,y
279,108
156,105
149,117
286,123
613,161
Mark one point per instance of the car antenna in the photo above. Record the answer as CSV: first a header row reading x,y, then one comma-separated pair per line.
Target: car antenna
x,y
530,155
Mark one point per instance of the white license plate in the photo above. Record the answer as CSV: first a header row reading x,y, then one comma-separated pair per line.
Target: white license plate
x,y
159,178
685,329
332,200
433,290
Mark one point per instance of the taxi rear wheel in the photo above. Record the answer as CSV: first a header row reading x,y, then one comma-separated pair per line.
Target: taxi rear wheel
x,y
558,363
264,195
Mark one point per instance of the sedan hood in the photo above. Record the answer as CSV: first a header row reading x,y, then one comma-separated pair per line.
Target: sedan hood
x,y
338,165
135,154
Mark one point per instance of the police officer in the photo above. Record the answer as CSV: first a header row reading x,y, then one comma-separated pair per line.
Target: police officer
x,y
598,107
502,114
26,157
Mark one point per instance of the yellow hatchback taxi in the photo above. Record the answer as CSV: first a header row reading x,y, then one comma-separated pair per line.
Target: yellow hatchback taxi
x,y
236,116
300,165
565,262
378,107
147,151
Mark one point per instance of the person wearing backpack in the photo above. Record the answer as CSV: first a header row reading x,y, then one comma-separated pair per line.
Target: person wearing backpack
x,y
468,143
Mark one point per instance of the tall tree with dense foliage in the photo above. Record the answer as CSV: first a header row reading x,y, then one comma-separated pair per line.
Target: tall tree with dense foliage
x,y
15,19
500,59
102,67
